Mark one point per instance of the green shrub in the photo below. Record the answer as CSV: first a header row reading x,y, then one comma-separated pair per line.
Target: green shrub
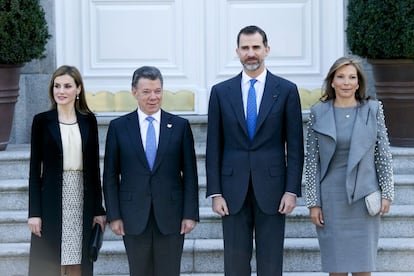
x,y
381,28
23,31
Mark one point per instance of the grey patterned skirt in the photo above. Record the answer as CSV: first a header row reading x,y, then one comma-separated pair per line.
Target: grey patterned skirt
x,y
72,217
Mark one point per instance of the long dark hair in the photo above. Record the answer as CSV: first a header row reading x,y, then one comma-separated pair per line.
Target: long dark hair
x,y
80,104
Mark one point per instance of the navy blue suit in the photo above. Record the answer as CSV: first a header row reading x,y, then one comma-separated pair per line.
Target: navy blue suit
x,y
141,197
268,166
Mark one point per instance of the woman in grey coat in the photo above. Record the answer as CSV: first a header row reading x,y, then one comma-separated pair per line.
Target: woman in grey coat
x,y
348,158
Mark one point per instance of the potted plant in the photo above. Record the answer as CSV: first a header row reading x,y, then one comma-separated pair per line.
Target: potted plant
x,y
383,32
23,37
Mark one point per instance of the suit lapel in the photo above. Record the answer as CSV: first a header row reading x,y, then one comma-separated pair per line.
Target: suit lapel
x,y
134,133
234,96
270,96
166,129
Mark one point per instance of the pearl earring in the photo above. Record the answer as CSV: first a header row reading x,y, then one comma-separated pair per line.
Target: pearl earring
x,y
77,96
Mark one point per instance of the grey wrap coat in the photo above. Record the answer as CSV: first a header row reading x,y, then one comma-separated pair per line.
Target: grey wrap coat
x,y
369,162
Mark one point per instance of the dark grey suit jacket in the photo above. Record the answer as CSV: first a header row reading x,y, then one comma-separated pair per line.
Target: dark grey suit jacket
x,y
130,188
274,158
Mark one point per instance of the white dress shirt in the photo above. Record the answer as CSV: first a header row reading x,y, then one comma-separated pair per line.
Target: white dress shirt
x,y
258,86
143,125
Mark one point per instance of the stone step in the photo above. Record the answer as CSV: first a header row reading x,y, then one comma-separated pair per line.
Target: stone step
x,y
286,274
14,161
205,257
14,193
399,223
403,185
403,160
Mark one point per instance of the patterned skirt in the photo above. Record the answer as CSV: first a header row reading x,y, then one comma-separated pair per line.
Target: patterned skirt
x,y
72,217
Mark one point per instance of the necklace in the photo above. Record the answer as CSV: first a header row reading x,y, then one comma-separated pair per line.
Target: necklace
x,y
345,111
73,123
67,120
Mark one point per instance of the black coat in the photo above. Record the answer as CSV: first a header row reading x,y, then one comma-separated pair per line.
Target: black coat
x,y
45,190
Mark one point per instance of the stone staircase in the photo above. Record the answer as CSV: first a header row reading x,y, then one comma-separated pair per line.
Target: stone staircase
x,y
203,248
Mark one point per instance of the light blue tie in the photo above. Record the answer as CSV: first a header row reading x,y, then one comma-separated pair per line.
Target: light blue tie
x,y
251,110
151,143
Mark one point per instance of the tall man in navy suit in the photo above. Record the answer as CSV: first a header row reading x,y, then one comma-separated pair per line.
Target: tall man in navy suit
x,y
254,158
150,180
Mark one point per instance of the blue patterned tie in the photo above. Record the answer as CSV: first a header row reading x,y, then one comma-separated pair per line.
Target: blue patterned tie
x,y
151,143
251,112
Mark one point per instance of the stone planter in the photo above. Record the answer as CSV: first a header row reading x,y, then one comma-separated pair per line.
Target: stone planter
x,y
394,83
9,91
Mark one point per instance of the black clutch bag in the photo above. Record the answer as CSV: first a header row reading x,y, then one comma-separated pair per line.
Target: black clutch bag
x,y
95,242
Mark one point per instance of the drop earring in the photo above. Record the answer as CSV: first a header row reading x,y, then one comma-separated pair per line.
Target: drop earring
x,y
77,96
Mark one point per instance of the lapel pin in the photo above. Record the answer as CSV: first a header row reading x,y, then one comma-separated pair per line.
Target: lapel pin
x,y
169,125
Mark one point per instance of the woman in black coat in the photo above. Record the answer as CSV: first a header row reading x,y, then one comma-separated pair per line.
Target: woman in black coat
x,y
65,196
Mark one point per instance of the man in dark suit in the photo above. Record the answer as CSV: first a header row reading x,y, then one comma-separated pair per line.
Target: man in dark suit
x,y
150,180
254,158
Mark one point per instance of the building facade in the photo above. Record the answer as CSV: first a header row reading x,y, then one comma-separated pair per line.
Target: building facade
x,y
192,42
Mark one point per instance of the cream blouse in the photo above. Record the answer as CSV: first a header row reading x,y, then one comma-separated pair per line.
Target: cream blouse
x,y
72,147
